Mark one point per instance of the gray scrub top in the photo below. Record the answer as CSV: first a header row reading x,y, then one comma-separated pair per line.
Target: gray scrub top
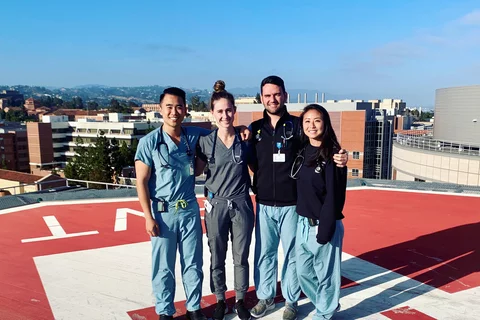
x,y
225,177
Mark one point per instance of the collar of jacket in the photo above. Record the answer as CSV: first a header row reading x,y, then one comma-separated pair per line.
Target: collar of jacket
x,y
267,120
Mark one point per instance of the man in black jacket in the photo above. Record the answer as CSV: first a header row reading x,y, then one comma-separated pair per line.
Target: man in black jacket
x,y
276,141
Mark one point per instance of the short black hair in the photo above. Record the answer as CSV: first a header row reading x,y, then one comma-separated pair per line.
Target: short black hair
x,y
174,91
276,80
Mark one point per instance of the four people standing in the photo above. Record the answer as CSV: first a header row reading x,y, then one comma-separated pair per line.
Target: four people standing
x,y
275,144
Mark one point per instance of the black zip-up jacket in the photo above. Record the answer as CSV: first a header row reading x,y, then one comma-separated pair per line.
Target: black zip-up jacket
x,y
271,181
321,194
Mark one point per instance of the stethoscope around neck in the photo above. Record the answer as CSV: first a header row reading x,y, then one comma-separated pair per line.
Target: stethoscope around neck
x,y
287,128
298,164
161,141
236,158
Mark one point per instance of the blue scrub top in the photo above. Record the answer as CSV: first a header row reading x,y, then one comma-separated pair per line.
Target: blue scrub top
x,y
175,182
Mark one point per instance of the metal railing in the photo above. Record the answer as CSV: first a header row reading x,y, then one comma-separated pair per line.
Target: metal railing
x,y
68,183
426,142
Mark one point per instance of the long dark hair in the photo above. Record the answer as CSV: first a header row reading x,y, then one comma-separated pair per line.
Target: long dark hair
x,y
330,144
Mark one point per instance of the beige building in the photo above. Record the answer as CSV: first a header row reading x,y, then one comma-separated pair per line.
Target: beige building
x,y
422,158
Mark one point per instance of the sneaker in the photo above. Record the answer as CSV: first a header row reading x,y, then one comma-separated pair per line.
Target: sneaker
x,y
242,311
338,308
195,315
262,307
220,310
165,317
290,312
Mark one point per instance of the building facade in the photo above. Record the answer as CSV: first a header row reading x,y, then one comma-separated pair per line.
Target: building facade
x,y
449,153
54,141
14,147
362,130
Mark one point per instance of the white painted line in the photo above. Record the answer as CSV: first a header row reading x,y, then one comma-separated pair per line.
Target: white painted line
x,y
68,235
54,226
57,231
121,218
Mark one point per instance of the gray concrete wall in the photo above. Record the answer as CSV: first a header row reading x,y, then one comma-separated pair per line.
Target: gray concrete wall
x,y
455,111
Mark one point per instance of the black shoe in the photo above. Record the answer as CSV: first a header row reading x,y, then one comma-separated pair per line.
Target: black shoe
x,y
242,311
220,310
165,317
196,315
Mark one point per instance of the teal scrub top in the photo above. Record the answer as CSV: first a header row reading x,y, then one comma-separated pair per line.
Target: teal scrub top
x,y
172,177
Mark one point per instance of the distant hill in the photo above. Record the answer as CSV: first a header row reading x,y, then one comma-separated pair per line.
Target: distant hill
x,y
150,94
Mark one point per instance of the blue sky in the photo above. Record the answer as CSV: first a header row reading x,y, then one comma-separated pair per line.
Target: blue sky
x,y
358,49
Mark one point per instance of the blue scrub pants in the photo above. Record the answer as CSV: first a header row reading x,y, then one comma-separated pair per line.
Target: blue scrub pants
x,y
272,225
318,267
178,228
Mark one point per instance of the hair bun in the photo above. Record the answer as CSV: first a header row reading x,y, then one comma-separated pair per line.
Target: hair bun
x,y
219,86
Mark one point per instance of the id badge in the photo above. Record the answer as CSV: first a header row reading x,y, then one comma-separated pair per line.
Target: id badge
x,y
279,157
192,169
208,206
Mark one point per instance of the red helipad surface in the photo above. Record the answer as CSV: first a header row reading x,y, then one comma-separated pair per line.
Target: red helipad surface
x,y
406,256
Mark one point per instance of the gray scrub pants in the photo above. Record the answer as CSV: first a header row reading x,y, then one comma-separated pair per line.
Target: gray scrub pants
x,y
229,216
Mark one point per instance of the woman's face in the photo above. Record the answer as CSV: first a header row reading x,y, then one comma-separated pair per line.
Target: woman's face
x,y
224,112
313,124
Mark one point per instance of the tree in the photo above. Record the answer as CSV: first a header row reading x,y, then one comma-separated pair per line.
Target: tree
x,y
132,105
257,98
114,106
117,161
196,104
92,105
77,103
100,162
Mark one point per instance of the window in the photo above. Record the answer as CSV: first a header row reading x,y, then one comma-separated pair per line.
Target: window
x,y
355,172
356,155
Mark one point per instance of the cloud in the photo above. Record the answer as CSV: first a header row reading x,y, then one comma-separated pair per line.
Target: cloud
x,y
472,18
458,35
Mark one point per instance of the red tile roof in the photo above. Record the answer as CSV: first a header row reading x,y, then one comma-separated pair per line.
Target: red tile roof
x,y
18,176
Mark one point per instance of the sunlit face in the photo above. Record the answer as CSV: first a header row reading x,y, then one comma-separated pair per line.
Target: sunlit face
x,y
224,113
173,110
273,98
313,125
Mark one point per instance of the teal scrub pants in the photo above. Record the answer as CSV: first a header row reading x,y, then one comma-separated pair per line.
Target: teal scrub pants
x,y
318,267
178,228
272,225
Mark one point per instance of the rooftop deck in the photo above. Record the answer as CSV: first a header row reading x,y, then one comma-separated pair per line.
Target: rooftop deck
x,y
407,255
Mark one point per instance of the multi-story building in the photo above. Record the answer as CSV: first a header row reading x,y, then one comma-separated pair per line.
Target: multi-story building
x,y
151,107
364,131
31,104
449,153
392,106
54,141
13,147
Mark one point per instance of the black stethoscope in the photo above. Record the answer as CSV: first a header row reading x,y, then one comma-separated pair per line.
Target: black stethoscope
x,y
236,158
161,142
298,164
287,132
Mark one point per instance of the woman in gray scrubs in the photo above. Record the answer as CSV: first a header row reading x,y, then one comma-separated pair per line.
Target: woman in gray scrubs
x,y
228,208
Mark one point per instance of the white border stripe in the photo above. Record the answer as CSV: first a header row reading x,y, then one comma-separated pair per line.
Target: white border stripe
x,y
200,196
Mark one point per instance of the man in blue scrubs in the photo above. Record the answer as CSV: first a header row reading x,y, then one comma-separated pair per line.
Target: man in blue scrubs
x,y
164,165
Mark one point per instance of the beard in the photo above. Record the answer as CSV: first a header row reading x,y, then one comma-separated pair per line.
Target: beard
x,y
278,112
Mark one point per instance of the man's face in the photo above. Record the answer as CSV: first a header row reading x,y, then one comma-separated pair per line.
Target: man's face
x,y
273,98
173,110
